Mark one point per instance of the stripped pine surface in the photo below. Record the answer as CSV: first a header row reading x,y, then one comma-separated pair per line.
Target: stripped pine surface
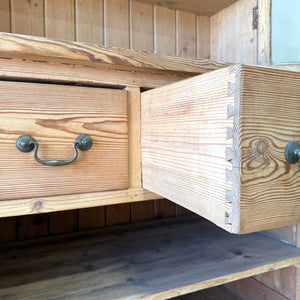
x,y
54,115
184,140
154,260
89,21
191,153
20,23
37,48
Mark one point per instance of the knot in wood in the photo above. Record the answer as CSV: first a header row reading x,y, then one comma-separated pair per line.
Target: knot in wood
x,y
261,147
37,205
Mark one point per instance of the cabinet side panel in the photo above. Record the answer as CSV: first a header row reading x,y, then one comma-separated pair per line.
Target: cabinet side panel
x,y
184,144
270,110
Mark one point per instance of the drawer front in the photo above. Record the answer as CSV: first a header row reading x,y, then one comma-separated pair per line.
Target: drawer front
x,y
54,115
215,144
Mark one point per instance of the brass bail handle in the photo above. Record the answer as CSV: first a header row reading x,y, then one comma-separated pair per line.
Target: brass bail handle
x,y
292,152
26,143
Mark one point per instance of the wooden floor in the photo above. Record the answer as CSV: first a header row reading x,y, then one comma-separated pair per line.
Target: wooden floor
x,y
155,260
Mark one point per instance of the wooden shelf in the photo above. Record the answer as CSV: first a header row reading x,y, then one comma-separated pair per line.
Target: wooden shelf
x,y
154,260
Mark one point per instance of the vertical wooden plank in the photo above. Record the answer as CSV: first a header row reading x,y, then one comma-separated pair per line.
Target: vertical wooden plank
x,y
91,218
223,30
203,37
142,211
117,214
89,21
233,38
7,229
264,32
5,15
181,211
163,209
134,136
297,278
27,17
63,222
116,24
141,26
60,19
32,226
186,34
283,281
164,30
249,289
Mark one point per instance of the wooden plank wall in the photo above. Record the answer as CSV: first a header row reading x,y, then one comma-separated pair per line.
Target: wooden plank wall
x,y
120,23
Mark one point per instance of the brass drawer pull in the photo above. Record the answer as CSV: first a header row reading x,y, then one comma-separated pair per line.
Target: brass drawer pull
x,y
26,143
292,152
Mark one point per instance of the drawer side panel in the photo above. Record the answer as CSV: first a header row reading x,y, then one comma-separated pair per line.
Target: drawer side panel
x,y
186,144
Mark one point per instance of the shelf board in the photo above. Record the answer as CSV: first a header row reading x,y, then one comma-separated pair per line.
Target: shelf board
x,y
153,260
201,7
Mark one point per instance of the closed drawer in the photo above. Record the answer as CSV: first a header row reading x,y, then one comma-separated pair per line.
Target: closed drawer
x,y
215,144
54,115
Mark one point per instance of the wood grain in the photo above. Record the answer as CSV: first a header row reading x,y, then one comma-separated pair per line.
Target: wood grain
x,y
186,34
5,15
203,37
283,281
55,115
118,214
8,231
60,23
63,222
20,20
116,23
91,218
89,21
154,260
184,143
28,206
142,211
264,32
14,69
42,49
142,26
202,7
32,226
249,289
268,184
232,37
164,30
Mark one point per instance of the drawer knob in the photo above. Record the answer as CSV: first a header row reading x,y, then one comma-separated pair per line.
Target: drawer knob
x,y
26,143
292,152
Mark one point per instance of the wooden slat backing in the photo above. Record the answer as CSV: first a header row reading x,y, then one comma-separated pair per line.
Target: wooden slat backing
x,y
27,17
116,14
141,26
60,19
89,21
5,15
233,38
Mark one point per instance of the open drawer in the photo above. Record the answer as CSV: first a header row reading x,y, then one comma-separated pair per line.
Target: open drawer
x,y
215,144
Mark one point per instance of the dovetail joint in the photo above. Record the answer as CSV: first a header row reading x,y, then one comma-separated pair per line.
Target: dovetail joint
x,y
228,218
228,197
